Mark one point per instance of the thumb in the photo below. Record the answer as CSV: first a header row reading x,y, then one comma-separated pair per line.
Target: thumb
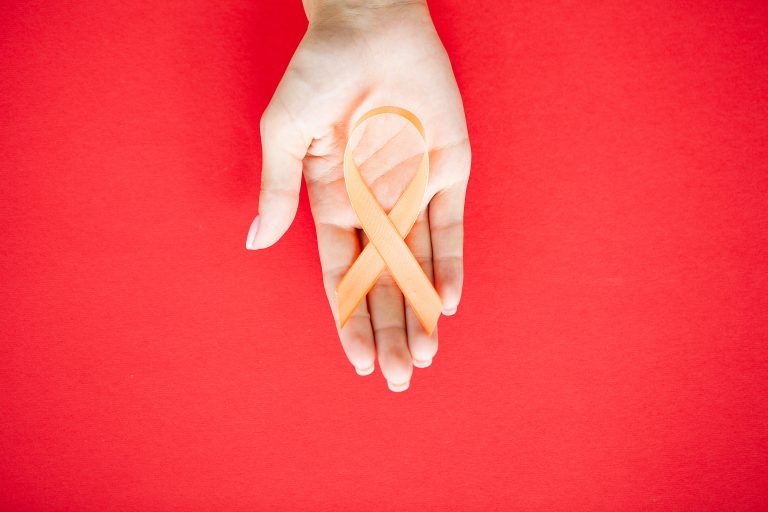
x,y
283,147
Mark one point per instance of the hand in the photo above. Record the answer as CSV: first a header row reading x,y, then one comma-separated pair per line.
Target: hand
x,y
352,59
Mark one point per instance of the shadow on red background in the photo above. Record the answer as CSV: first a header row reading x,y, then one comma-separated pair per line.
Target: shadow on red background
x,y
610,351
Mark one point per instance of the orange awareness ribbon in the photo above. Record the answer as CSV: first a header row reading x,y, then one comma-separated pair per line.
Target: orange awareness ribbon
x,y
386,233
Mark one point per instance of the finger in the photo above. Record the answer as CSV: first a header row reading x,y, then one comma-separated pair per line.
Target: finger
x,y
423,346
338,248
446,224
283,146
385,304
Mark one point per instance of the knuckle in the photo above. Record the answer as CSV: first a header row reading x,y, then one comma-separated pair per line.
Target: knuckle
x,y
266,120
269,118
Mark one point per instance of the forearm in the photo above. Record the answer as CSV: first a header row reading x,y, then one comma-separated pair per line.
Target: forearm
x,y
318,9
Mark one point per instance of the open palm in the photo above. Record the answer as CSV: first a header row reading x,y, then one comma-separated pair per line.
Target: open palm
x,y
349,62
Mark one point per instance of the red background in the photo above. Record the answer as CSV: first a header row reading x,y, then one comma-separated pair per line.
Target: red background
x,y
610,350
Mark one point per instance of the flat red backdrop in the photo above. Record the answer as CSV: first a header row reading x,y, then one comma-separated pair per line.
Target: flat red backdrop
x,y
611,349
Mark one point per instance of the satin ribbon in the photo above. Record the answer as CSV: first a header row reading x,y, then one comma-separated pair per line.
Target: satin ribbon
x,y
386,232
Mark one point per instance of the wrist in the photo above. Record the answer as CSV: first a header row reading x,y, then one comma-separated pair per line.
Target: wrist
x,y
323,10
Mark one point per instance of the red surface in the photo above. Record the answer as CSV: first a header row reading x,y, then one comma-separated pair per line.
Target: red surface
x,y
610,351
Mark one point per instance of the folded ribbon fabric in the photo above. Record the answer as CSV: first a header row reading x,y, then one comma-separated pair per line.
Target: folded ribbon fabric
x,y
386,232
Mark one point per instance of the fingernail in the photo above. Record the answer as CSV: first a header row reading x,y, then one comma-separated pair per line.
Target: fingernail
x,y
249,242
365,371
422,364
397,388
449,312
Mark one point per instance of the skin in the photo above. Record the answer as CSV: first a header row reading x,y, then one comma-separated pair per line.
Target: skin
x,y
356,56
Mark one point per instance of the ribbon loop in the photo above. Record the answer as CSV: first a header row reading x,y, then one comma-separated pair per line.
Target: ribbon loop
x,y
387,247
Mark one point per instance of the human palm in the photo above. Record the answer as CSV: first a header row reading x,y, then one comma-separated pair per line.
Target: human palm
x,y
352,60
